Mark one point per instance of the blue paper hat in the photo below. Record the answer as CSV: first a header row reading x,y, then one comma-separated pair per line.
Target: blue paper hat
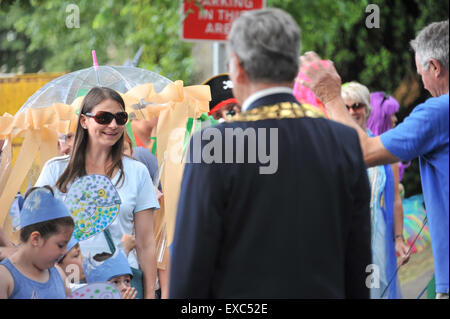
x,y
41,206
72,242
115,266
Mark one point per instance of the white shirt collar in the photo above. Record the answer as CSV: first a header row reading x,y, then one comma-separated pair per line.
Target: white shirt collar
x,y
260,94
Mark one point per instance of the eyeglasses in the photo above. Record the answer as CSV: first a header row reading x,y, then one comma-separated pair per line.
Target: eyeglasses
x,y
355,106
104,118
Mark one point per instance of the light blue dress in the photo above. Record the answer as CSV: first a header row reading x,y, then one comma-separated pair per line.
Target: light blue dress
x,y
381,181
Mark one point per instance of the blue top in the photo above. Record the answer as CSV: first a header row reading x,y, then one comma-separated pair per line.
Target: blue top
x,y
424,134
26,288
150,161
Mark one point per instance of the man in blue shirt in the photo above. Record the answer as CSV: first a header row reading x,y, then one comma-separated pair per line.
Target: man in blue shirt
x,y
423,134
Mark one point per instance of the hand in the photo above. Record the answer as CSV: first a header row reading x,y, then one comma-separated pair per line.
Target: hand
x,y
402,250
129,242
323,78
129,293
159,195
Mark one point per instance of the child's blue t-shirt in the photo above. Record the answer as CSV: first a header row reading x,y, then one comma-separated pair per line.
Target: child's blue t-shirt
x,y
26,288
424,134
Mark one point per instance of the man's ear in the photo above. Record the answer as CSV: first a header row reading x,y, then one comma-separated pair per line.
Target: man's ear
x,y
436,68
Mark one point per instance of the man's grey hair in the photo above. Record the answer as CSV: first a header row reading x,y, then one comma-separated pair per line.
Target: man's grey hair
x,y
267,43
432,43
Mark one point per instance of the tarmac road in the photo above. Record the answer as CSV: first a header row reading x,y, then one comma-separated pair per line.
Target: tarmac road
x,y
412,289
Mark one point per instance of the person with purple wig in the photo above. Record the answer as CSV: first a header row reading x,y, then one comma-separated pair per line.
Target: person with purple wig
x,y
381,119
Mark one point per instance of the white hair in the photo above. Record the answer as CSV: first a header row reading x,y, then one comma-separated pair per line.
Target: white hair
x,y
432,43
358,93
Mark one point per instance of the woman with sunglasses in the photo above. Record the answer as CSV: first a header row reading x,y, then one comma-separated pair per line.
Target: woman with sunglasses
x,y
98,149
384,189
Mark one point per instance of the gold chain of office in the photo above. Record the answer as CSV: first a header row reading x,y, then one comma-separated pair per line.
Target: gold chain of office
x,y
285,110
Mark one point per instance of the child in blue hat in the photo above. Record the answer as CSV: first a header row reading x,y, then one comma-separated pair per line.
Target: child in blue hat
x,y
72,265
46,228
112,268
72,262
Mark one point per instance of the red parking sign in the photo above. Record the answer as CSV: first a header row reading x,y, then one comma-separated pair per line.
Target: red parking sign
x,y
213,23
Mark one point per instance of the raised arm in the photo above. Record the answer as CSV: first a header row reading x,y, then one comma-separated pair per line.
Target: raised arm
x,y
325,82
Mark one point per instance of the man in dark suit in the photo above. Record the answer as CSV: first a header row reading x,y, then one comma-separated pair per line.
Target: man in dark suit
x,y
278,204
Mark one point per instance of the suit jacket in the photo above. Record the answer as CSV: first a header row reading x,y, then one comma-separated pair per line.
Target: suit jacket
x,y
301,232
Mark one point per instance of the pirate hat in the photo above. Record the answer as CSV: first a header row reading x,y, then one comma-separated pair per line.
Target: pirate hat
x,y
221,92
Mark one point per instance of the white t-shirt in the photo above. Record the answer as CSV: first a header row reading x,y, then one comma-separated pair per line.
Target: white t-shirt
x,y
136,193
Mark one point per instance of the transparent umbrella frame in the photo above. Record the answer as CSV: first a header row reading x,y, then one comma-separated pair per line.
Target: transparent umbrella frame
x,y
68,87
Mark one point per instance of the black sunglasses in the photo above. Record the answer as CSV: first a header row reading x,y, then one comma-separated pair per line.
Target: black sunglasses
x,y
355,106
104,118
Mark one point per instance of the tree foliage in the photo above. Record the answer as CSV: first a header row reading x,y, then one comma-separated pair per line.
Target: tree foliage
x,y
381,57
116,29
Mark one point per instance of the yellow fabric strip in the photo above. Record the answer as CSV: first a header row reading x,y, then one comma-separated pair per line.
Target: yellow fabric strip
x,y
5,163
28,152
49,146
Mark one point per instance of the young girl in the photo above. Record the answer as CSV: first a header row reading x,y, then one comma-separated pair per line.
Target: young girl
x,y
112,268
46,228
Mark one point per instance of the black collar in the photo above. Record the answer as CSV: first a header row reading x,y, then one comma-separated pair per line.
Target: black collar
x,y
273,99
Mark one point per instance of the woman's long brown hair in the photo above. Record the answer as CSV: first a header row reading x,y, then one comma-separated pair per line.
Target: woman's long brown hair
x,y
77,164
